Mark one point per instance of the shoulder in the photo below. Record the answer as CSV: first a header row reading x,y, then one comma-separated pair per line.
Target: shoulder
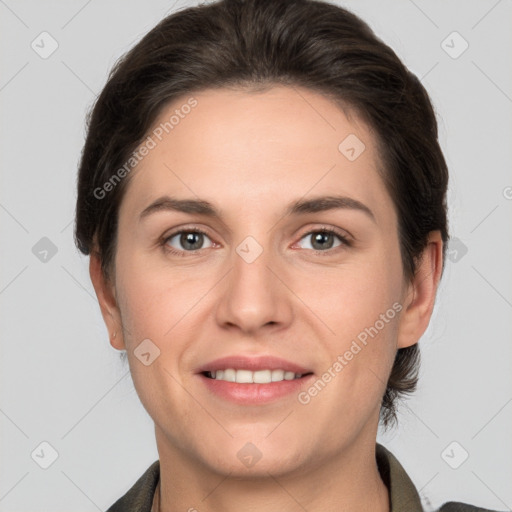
x,y
404,496
139,497
453,506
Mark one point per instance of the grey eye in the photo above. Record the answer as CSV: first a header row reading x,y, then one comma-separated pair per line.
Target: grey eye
x,y
321,240
189,240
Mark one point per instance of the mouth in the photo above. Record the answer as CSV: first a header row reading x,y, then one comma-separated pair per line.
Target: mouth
x,y
253,380
265,376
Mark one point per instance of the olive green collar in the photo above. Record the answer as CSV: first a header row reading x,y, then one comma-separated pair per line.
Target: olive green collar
x,y
402,493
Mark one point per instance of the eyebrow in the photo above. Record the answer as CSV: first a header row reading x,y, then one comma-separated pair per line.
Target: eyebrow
x,y
299,207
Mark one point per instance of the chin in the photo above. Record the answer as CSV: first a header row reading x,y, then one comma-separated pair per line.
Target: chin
x,y
261,469
242,458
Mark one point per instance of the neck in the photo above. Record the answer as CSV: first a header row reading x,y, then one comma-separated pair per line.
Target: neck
x,y
349,481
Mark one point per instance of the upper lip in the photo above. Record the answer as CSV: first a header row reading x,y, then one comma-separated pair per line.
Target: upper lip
x,y
253,363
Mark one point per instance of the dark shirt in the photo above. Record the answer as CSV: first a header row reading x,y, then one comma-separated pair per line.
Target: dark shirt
x,y
403,495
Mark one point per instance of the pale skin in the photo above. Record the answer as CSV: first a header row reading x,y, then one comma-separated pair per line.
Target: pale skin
x,y
250,155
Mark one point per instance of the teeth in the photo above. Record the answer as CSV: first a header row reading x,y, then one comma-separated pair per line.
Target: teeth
x,y
277,375
229,375
244,376
249,377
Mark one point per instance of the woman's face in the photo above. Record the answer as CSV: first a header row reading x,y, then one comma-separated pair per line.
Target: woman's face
x,y
260,284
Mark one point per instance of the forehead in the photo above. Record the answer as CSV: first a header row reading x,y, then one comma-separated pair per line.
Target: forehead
x,y
257,149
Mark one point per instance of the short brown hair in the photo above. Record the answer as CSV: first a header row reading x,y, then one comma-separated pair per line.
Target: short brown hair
x,y
256,44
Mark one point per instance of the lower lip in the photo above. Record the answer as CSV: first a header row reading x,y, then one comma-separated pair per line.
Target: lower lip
x,y
254,394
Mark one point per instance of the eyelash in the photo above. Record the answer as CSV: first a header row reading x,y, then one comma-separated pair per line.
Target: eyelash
x,y
342,238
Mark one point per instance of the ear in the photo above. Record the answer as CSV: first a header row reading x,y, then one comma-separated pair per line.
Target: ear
x,y
105,291
420,294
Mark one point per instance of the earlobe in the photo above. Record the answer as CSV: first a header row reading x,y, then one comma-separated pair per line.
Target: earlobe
x,y
420,297
105,292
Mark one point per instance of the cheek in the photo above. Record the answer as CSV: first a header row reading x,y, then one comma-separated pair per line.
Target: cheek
x,y
353,297
361,306
154,299
359,357
156,305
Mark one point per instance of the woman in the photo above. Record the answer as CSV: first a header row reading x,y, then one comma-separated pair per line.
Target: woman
x,y
263,199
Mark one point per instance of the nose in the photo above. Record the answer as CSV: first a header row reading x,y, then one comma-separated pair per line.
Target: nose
x,y
254,295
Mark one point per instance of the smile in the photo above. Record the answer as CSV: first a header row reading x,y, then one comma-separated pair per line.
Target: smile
x,y
250,377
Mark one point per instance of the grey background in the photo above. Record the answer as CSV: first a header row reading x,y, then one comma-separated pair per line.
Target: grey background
x,y
62,382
